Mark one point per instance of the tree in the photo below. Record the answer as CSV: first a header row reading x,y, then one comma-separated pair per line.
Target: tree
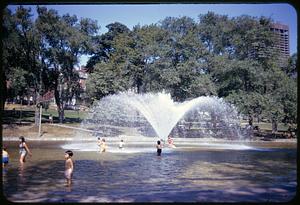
x,y
252,38
291,69
21,48
286,95
216,31
188,56
168,56
65,40
105,80
150,60
103,44
251,104
10,52
234,75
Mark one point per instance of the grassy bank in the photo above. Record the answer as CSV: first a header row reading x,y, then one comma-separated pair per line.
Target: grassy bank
x,y
268,126
25,114
19,120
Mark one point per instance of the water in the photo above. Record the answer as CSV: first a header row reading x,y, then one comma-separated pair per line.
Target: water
x,y
157,115
145,145
205,166
190,173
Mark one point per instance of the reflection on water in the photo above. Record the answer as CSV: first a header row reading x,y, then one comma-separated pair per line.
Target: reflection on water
x,y
181,175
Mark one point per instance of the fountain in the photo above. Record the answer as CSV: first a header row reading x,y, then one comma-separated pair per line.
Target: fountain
x,y
157,111
144,117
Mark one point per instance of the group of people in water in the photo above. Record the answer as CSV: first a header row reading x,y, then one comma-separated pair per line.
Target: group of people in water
x,y
160,143
69,166
103,147
24,151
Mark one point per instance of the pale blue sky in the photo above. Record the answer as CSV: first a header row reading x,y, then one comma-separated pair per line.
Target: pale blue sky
x,y
145,14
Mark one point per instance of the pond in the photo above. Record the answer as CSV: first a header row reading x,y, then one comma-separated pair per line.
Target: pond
x,y
266,173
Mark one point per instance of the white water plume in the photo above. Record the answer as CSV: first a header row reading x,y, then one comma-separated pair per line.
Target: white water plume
x,y
128,109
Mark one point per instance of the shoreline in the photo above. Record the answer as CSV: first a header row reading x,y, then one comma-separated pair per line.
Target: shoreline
x,y
65,132
143,139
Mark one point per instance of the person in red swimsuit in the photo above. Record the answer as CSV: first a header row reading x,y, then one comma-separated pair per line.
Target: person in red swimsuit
x,y
171,142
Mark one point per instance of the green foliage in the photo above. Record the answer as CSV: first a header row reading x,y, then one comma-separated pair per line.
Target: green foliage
x,y
35,52
248,103
286,96
291,69
216,32
18,82
65,39
105,80
233,58
102,46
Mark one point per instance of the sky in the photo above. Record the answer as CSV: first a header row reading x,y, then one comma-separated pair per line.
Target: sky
x,y
146,14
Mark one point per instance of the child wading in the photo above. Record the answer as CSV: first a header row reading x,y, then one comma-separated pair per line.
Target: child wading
x,y
99,142
103,146
121,144
5,156
68,166
171,142
23,150
159,148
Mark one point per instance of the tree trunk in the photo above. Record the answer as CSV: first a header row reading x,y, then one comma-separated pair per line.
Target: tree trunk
x,y
37,110
38,98
250,121
274,125
60,107
61,115
36,115
28,100
59,102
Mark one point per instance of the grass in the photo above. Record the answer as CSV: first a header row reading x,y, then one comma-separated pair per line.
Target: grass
x,y
25,114
268,126
68,113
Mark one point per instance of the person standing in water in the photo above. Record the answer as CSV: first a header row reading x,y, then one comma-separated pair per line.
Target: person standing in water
x,y
5,157
23,150
68,166
99,143
103,145
158,147
171,142
121,144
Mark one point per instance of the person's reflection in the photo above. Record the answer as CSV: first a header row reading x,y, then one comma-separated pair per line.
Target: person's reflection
x,y
4,174
68,187
21,173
